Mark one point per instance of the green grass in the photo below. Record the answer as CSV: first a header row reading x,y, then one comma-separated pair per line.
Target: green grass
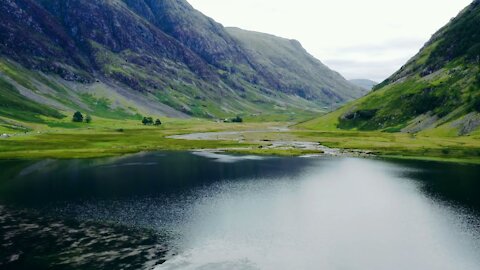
x,y
87,145
16,73
110,137
442,80
466,149
102,108
16,106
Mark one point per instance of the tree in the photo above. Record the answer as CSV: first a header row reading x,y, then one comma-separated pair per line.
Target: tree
x,y
77,117
237,119
158,122
147,121
88,119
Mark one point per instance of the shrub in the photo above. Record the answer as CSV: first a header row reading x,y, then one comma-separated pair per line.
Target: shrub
x,y
237,119
425,101
88,119
147,121
77,117
361,115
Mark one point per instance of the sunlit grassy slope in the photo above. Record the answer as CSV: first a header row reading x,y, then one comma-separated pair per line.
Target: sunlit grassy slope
x,y
429,109
106,137
437,92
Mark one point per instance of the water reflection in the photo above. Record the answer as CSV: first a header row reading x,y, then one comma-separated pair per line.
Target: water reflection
x,y
272,213
347,214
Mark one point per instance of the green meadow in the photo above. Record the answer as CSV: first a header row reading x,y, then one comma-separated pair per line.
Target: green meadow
x,y
62,138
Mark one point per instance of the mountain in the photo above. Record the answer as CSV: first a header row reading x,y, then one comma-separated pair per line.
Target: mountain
x,y
364,83
125,58
438,90
293,68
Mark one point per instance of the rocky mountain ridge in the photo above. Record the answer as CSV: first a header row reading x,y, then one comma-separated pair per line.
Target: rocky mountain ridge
x,y
152,56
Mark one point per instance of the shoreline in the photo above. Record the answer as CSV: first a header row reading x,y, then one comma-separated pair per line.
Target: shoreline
x,y
246,142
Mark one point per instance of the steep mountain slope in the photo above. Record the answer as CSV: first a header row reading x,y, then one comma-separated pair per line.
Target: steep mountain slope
x,y
437,91
364,83
199,33
293,69
123,58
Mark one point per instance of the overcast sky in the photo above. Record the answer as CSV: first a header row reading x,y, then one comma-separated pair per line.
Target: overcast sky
x,y
368,39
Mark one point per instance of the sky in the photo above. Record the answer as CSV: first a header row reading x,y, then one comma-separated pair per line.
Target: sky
x,y
368,39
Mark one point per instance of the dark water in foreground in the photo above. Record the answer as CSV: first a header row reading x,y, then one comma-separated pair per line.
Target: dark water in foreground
x,y
201,211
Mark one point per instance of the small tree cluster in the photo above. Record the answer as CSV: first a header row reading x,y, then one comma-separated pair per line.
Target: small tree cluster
x,y
78,118
148,121
237,119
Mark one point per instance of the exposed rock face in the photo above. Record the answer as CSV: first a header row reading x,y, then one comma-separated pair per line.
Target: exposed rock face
x,y
166,49
30,35
468,123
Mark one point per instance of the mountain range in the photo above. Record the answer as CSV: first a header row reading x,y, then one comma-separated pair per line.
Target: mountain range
x,y
364,83
435,92
127,58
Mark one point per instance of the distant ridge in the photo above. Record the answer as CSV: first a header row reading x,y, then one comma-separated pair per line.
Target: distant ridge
x,y
364,83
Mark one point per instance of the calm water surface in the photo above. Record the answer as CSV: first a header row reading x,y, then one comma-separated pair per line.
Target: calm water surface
x,y
209,211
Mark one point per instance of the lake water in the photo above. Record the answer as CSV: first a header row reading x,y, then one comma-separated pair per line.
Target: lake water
x,y
212,211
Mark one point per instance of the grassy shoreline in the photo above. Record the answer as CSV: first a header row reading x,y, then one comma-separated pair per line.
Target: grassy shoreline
x,y
62,139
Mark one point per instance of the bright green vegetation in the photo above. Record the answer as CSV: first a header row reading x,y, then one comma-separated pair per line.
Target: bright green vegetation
x,y
439,143
62,138
439,88
14,105
107,137
429,109
47,95
446,95
400,145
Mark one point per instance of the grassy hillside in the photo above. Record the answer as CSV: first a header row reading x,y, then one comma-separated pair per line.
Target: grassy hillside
x,y
300,72
14,105
436,92
126,58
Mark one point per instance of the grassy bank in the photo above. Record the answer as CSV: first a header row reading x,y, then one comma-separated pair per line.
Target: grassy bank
x,y
61,138
106,137
399,145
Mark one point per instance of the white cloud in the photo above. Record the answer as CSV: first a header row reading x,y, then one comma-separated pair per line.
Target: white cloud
x,y
372,38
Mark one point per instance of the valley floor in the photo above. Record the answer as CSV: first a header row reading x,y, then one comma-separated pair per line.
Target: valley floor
x,y
106,137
